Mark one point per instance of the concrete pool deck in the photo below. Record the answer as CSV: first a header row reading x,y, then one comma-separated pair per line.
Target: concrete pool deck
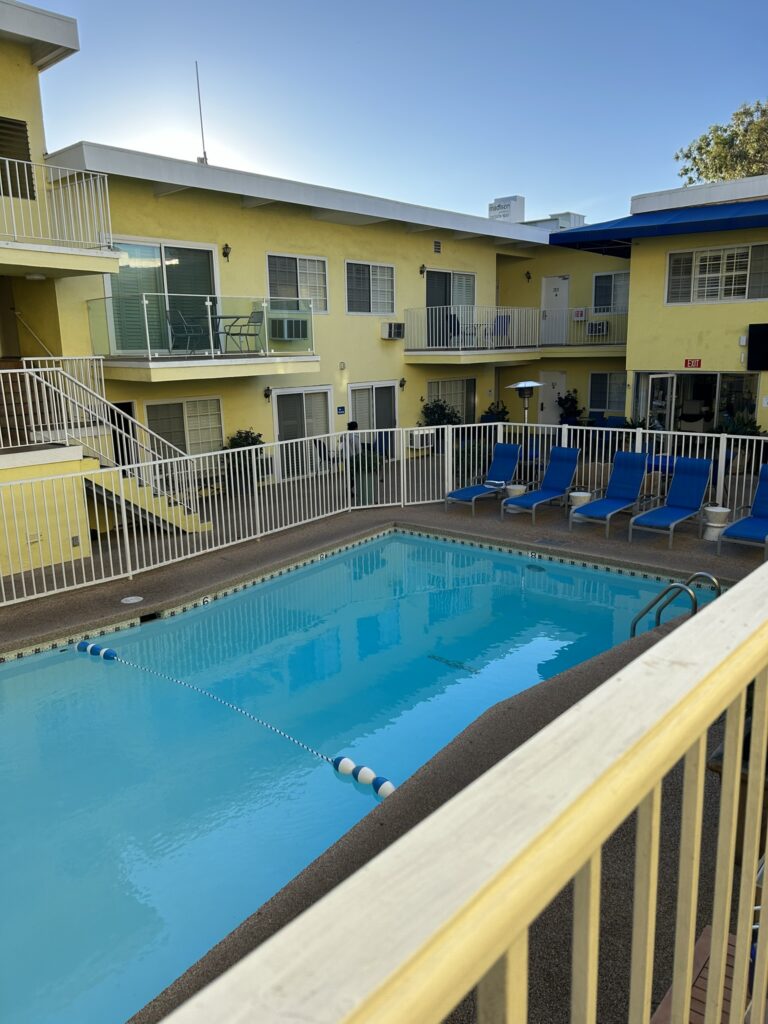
x,y
37,623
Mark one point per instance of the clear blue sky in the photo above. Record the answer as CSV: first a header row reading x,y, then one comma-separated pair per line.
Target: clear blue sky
x,y
576,106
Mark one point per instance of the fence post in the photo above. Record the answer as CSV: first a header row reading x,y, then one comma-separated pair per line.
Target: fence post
x,y
564,435
448,441
638,439
403,474
255,477
124,522
721,466
499,433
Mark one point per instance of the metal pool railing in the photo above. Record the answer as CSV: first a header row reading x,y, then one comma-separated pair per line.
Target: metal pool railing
x,y
148,505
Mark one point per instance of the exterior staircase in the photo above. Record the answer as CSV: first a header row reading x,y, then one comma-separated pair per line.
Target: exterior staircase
x,y
48,406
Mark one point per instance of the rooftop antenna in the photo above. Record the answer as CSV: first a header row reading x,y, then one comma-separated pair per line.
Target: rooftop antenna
x,y
204,158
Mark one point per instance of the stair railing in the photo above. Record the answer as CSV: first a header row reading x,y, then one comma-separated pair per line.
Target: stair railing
x,y
63,406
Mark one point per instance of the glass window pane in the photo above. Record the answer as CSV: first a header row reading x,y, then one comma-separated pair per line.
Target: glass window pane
x,y
283,281
312,284
361,408
463,290
167,420
680,277
140,273
204,430
603,298
316,412
384,397
620,293
758,272
189,272
382,289
598,392
358,288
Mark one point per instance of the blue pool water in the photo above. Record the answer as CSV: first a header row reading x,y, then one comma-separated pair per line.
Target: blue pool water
x,y
142,822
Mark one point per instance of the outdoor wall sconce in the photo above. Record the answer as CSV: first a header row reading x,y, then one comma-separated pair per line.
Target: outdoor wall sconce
x,y
402,383
528,276
226,250
423,269
268,393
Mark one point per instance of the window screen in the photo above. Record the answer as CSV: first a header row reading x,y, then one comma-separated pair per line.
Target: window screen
x,y
680,277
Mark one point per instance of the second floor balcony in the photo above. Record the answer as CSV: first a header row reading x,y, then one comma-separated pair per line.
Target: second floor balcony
x,y
495,330
153,329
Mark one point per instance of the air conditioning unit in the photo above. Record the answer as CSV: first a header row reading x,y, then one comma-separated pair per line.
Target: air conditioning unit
x,y
597,329
287,328
421,438
393,331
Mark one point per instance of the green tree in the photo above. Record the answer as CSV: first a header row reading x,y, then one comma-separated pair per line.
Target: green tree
x,y
738,149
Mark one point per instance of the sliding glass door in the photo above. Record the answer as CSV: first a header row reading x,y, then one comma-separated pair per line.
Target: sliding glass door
x,y
174,281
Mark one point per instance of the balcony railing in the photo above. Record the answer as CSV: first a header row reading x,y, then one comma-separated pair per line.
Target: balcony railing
x,y
154,325
492,328
53,206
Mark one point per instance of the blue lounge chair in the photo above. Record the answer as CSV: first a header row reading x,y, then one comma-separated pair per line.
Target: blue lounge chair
x,y
500,473
751,529
557,482
623,491
685,499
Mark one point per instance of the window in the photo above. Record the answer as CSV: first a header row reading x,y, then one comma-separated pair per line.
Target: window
x,y
611,293
297,277
370,288
458,393
715,275
462,289
16,180
193,425
607,392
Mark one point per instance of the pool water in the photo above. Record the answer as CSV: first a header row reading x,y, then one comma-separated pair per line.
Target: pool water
x,y
142,822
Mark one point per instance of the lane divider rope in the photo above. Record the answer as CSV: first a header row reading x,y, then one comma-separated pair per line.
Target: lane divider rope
x,y
343,765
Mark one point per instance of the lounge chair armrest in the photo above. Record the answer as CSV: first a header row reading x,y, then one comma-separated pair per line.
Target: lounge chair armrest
x,y
648,501
740,509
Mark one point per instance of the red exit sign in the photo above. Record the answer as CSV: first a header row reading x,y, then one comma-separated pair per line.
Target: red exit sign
x,y
692,364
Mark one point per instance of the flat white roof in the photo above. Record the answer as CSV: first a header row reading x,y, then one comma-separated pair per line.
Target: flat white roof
x,y
702,195
51,37
330,204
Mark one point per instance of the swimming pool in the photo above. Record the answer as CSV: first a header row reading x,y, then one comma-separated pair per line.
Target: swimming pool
x,y
143,822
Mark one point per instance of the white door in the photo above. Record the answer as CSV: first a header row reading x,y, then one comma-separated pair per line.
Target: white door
x,y
552,385
554,310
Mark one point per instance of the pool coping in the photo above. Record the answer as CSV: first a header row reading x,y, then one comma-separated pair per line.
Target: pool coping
x,y
202,597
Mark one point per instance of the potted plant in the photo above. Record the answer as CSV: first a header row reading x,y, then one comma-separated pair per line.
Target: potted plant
x,y
496,412
570,410
247,438
438,413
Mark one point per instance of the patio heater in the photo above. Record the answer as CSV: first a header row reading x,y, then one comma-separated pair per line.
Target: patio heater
x,y
524,389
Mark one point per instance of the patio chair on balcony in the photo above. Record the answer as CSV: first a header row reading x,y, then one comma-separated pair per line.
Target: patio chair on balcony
x,y
245,332
751,529
685,499
557,483
497,336
500,473
622,493
184,333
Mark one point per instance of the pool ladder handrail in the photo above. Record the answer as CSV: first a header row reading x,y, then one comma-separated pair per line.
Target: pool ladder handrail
x,y
669,593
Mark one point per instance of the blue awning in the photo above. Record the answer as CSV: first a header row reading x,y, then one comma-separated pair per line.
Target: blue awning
x,y
614,237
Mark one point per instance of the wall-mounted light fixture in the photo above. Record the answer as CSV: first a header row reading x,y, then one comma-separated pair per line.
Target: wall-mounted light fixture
x,y
423,269
342,365
528,276
268,394
402,383
226,250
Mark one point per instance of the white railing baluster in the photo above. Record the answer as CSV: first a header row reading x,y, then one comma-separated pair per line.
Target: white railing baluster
x,y
586,940
644,906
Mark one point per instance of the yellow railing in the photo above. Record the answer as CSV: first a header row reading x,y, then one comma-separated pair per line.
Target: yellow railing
x,y
449,905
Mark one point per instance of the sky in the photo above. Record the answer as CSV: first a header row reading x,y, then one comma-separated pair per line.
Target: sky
x,y
576,106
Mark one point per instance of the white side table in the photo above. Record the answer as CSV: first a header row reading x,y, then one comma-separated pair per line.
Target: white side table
x,y
515,490
578,498
715,521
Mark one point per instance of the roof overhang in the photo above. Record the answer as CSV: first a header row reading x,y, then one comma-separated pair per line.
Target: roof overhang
x,y
50,37
614,237
170,175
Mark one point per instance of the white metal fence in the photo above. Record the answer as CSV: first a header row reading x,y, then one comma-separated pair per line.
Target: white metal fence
x,y
88,370
469,328
139,511
45,205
